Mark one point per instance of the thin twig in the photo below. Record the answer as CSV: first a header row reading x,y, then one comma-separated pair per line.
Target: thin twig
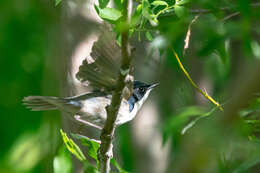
x,y
193,83
105,151
187,38
203,11
230,16
206,11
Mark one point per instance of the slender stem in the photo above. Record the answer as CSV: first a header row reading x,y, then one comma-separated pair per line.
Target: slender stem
x,y
230,16
165,9
199,11
205,94
206,11
105,151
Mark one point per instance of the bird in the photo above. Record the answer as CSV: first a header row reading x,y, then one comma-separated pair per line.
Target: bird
x,y
91,107
100,72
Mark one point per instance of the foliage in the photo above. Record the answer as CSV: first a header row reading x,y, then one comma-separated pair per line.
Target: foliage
x,y
223,42
57,2
72,147
156,19
75,150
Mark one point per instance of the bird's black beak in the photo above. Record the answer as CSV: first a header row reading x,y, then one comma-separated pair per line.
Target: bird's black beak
x,y
153,85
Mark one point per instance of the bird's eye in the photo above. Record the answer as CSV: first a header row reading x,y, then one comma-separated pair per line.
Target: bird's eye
x,y
141,89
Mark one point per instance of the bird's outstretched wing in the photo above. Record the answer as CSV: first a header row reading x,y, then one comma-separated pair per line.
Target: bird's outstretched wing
x,y
102,73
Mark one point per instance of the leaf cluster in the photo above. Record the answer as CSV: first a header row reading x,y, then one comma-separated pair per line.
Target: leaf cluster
x,y
75,150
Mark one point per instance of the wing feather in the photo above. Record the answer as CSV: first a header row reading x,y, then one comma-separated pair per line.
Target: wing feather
x,y
102,73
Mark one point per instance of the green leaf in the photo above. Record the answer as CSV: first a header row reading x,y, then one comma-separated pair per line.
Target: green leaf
x,y
62,161
121,170
90,169
223,51
182,2
180,11
91,144
146,10
148,35
57,2
103,3
109,14
136,18
148,13
244,167
72,147
139,8
193,122
93,147
255,49
158,3
119,4
119,39
175,124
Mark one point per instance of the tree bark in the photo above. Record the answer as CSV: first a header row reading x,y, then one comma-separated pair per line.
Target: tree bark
x,y
105,151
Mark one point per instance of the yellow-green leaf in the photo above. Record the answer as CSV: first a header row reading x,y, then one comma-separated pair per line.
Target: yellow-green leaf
x,y
91,144
180,11
158,3
72,147
57,2
110,14
148,35
181,2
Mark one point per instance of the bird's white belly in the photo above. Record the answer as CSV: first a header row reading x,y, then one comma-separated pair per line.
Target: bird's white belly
x,y
124,114
94,111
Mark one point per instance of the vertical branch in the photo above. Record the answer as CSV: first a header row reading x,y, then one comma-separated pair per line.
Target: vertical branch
x,y
105,151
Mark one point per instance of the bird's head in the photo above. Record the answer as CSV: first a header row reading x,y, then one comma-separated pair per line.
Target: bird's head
x,y
142,90
140,93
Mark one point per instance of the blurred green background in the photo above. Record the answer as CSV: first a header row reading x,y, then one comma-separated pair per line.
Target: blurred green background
x,y
27,46
222,58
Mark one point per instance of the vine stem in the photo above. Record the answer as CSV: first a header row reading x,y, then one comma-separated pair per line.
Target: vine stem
x,y
205,94
105,152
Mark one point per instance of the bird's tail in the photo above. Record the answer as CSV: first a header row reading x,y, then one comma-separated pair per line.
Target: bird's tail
x,y
41,103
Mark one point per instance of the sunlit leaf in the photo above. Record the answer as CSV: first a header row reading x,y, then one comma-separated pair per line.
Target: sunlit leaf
x,y
93,147
109,14
146,9
180,11
57,2
119,39
255,49
91,144
182,2
147,12
136,17
121,170
72,147
148,35
158,3
139,8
